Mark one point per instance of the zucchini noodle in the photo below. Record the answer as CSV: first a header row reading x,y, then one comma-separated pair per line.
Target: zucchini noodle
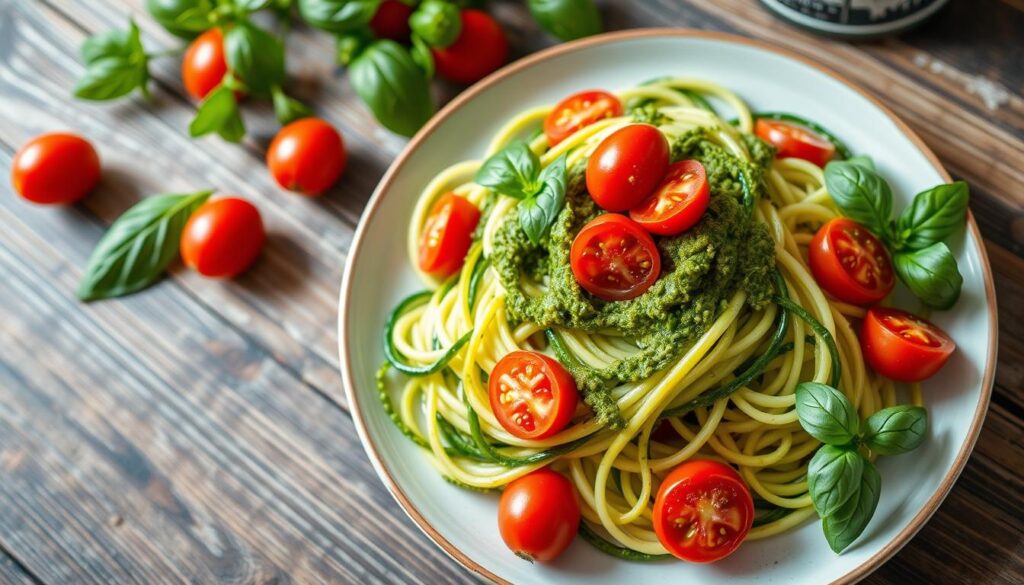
x,y
728,395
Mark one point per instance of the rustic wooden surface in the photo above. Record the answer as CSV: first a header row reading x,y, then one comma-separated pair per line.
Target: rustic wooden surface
x,y
199,431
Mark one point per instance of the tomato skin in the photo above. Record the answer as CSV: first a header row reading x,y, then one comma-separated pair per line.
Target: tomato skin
x,y
841,241
685,494
521,382
447,235
223,237
794,141
601,243
204,64
307,156
678,203
579,111
538,515
626,167
911,355
480,49
391,21
55,168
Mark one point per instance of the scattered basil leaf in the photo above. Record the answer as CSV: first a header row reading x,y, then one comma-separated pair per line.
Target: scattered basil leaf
x,y
826,414
183,18
116,64
251,5
423,57
395,89
122,44
861,194
931,274
849,521
934,215
862,160
349,45
512,171
338,16
139,246
437,22
218,113
255,56
288,109
538,212
896,430
833,477
567,20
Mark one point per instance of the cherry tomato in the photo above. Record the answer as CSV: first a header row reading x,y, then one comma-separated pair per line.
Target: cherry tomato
x,y
538,515
204,64
391,21
679,201
627,166
532,395
307,156
578,111
55,168
793,141
480,49
614,259
850,263
902,346
447,235
703,511
223,237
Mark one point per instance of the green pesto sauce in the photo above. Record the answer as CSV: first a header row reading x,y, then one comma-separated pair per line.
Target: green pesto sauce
x,y
700,269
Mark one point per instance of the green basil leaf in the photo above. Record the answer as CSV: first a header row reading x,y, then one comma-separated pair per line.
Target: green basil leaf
x,y
567,19
437,22
934,215
348,46
826,414
338,15
423,57
849,521
123,44
862,160
218,113
512,171
139,246
395,89
288,109
111,78
255,56
861,194
833,477
931,274
183,18
537,213
896,430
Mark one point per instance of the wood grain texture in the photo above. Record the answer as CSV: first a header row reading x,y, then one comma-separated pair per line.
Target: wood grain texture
x,y
198,431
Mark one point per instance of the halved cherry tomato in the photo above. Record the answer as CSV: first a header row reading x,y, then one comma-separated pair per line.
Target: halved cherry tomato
x,y
204,65
627,166
447,235
850,263
391,21
480,49
703,511
614,259
223,237
794,141
679,201
538,515
531,394
579,110
903,346
55,168
307,156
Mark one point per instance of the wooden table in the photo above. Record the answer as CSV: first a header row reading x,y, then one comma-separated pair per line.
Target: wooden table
x,y
199,431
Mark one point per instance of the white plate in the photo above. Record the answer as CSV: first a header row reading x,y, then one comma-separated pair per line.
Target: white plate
x,y
377,275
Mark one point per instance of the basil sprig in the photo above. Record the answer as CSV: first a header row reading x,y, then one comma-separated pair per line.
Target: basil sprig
x,y
844,484
566,20
139,246
218,113
254,56
515,171
393,86
116,64
921,259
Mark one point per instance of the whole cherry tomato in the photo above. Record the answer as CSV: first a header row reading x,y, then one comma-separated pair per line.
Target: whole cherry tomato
x,y
223,237
902,346
55,168
307,156
538,515
626,167
391,21
850,263
480,49
204,64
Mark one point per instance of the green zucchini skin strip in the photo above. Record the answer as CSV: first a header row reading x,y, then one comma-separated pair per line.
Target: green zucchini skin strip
x,y
396,359
595,540
474,280
820,331
697,99
843,150
459,443
772,515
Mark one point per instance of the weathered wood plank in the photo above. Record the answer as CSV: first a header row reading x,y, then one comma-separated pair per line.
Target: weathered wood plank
x,y
12,572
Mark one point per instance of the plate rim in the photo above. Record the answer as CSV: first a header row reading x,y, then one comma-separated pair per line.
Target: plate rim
x,y
383,472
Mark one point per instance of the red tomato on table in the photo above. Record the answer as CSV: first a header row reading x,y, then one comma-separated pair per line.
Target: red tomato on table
x,y
532,395
55,168
391,21
794,141
626,167
480,49
204,64
579,111
307,156
902,346
703,511
223,237
538,515
447,235
614,259
850,263
679,201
